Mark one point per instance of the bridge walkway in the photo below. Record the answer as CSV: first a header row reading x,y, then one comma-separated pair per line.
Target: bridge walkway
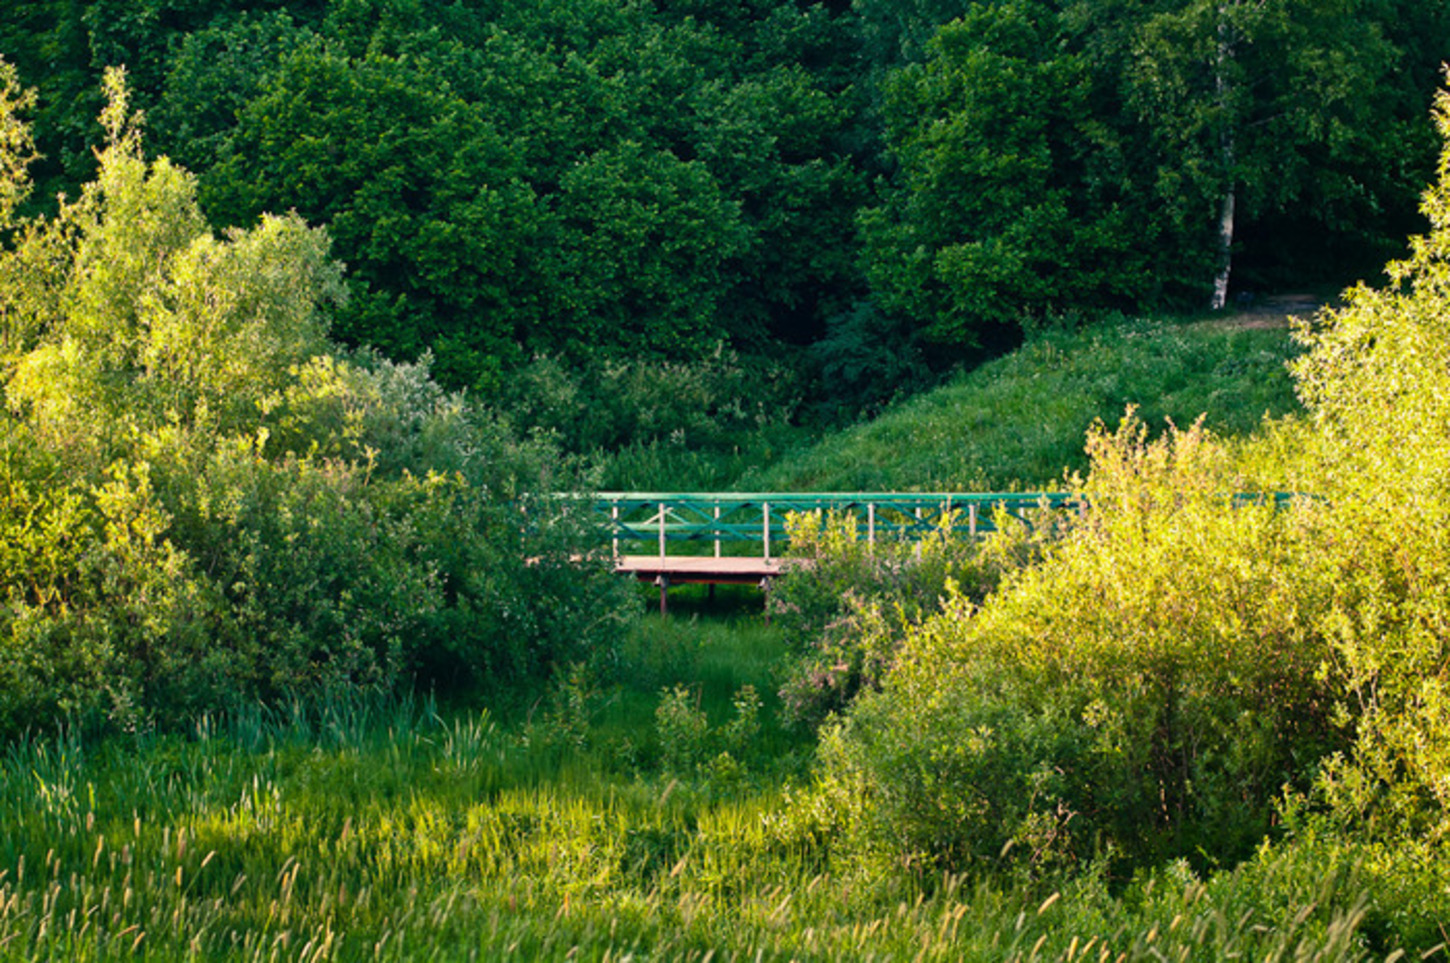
x,y
730,538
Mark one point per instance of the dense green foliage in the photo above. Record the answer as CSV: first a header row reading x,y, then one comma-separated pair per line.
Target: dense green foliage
x,y
586,178
892,186
203,500
1005,206
1062,157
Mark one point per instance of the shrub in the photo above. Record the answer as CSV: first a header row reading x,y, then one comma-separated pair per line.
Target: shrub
x,y
683,730
1377,383
1146,690
846,612
687,741
204,501
650,423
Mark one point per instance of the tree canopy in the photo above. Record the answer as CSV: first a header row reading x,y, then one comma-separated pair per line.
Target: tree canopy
x,y
1062,157
607,181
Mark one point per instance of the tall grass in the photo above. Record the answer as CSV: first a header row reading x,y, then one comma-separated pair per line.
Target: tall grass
x,y
364,827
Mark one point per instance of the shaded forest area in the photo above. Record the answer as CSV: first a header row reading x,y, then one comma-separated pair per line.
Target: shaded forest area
x,y
567,202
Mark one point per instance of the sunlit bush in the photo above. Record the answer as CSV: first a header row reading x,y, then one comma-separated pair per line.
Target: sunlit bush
x,y
1377,383
847,604
204,501
613,404
1146,691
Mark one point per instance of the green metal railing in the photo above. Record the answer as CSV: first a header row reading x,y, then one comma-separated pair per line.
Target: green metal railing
x,y
756,522
732,519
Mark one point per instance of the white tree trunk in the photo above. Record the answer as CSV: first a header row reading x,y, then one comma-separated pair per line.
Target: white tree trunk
x,y
1225,249
1226,157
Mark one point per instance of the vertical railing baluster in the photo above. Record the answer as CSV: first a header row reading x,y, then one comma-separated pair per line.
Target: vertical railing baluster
x,y
765,528
717,531
662,529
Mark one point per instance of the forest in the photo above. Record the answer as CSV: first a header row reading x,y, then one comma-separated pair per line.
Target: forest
x,y
318,318
537,193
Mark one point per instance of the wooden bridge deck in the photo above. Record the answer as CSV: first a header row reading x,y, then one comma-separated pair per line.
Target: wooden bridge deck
x,y
680,569
667,570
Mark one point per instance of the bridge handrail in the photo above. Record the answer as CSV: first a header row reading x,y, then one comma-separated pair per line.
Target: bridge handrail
x,y
723,517
751,517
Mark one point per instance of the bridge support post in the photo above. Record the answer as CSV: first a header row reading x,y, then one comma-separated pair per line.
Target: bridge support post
x,y
664,583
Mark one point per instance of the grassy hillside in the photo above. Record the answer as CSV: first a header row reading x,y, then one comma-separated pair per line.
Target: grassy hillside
x,y
1019,422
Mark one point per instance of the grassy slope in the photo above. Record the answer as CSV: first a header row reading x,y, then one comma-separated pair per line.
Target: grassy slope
x,y
1018,422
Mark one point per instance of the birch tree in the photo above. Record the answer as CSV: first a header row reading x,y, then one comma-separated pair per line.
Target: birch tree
x,y
1254,106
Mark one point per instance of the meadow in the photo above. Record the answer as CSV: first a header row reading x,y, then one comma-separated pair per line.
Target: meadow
x,y
370,827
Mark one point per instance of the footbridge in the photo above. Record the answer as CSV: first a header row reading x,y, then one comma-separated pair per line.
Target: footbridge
x,y
739,538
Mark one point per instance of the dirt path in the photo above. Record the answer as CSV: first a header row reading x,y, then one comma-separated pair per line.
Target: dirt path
x,y
1270,312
